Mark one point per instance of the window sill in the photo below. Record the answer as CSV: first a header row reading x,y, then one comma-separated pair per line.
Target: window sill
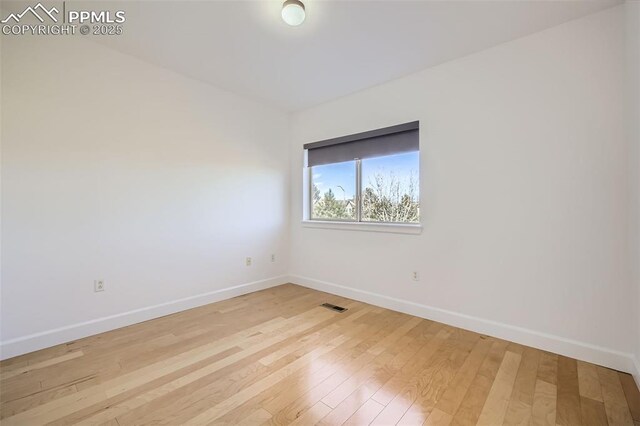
x,y
393,228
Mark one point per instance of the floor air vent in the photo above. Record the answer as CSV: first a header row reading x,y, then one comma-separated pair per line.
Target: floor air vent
x,y
334,307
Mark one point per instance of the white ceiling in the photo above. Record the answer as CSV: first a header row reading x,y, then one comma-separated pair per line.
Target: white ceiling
x,y
343,46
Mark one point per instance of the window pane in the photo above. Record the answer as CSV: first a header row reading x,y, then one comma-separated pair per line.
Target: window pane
x,y
390,188
334,191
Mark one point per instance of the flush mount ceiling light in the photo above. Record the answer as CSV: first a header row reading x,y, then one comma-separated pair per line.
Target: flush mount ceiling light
x,y
293,12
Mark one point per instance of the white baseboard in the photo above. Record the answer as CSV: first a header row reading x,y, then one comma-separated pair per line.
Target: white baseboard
x,y
575,349
580,350
45,339
636,373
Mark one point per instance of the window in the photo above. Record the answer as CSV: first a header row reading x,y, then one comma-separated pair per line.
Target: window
x,y
369,177
333,194
390,188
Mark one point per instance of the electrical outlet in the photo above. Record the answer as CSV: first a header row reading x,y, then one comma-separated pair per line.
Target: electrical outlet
x,y
247,261
415,276
98,285
273,258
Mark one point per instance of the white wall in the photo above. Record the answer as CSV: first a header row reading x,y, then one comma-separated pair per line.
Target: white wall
x,y
119,170
525,194
633,70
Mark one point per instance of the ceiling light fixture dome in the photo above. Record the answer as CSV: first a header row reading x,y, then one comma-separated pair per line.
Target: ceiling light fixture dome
x,y
293,12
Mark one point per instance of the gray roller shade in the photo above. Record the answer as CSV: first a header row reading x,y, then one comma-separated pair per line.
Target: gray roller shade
x,y
374,143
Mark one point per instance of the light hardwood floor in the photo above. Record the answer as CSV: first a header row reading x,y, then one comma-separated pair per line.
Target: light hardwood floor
x,y
276,357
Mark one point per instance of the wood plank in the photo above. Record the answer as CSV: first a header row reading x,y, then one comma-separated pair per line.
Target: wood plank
x,y
543,412
400,355
313,414
365,414
8,373
631,393
11,408
438,418
497,402
588,381
419,385
345,389
568,412
593,413
435,380
524,386
385,394
257,417
360,357
452,397
521,402
615,402
548,368
518,413
475,398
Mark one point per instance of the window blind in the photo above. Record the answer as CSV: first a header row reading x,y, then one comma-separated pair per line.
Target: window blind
x,y
375,143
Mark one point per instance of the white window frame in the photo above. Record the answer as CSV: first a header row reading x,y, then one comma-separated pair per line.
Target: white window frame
x,y
346,224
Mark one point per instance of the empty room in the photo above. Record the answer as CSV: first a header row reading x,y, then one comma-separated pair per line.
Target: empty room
x,y
301,212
